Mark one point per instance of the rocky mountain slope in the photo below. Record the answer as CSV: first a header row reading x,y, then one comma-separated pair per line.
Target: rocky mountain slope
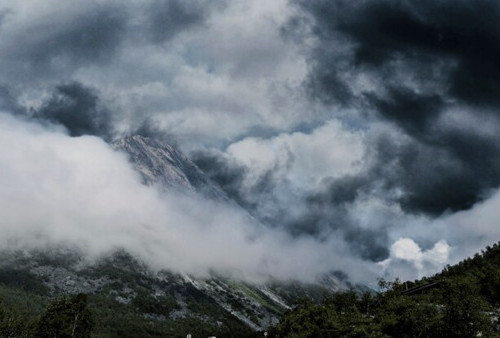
x,y
167,167
158,297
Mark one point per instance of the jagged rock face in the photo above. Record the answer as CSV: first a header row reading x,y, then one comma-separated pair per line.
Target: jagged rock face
x,y
166,166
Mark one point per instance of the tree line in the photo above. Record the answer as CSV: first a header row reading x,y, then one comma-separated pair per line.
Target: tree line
x,y
461,301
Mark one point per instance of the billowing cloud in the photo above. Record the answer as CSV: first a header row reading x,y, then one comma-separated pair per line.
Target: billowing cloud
x,y
349,131
78,35
302,182
168,18
409,262
77,192
414,65
189,68
78,109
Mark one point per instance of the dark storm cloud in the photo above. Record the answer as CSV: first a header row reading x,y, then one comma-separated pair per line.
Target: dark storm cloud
x,y
427,58
226,173
424,63
327,86
329,209
47,51
449,173
91,36
326,213
169,17
8,101
431,179
464,32
79,109
413,112
340,191
328,186
322,221
369,244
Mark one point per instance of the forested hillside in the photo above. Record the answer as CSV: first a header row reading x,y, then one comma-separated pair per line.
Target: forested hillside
x,y
120,300
461,301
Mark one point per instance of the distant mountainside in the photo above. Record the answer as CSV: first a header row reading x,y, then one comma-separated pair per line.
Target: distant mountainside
x,y
132,300
164,165
120,287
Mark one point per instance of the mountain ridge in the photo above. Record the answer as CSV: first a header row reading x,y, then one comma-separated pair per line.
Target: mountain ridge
x,y
167,167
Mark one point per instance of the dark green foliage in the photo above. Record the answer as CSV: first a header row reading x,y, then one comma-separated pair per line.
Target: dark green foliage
x,y
65,317
14,322
455,303
405,316
485,268
308,320
331,319
18,312
464,313
144,302
22,279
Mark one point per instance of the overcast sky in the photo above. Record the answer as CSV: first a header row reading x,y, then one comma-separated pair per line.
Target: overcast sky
x,y
357,136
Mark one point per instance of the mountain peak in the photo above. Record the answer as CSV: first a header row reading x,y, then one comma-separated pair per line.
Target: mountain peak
x,y
164,165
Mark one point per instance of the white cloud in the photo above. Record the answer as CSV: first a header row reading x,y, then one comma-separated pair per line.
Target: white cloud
x,y
304,159
77,192
207,85
408,261
406,249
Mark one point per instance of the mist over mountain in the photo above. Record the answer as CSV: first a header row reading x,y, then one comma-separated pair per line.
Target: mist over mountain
x,y
310,136
154,291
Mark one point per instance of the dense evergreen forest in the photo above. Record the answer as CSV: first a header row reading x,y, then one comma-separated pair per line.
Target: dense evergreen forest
x,y
461,301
